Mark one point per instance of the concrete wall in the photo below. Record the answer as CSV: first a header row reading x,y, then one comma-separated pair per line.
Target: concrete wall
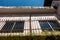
x,y
58,10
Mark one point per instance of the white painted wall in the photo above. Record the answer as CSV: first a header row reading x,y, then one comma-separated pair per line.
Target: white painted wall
x,y
43,18
35,25
2,23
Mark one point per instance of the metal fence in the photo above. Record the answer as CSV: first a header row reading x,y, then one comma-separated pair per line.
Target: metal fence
x,y
30,30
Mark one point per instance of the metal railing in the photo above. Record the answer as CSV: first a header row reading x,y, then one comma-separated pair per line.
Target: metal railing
x,y
26,31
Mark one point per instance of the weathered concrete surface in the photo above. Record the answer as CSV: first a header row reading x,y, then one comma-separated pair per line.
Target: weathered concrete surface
x,y
27,10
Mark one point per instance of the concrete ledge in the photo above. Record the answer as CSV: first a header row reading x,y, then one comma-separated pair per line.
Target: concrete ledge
x,y
27,9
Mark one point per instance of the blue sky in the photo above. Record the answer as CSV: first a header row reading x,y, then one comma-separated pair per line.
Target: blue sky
x,y
21,2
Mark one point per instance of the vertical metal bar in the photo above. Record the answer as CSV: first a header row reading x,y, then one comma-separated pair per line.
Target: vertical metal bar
x,y
30,24
13,26
50,26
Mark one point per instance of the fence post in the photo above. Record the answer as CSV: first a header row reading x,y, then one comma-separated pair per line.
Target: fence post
x,y
30,24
